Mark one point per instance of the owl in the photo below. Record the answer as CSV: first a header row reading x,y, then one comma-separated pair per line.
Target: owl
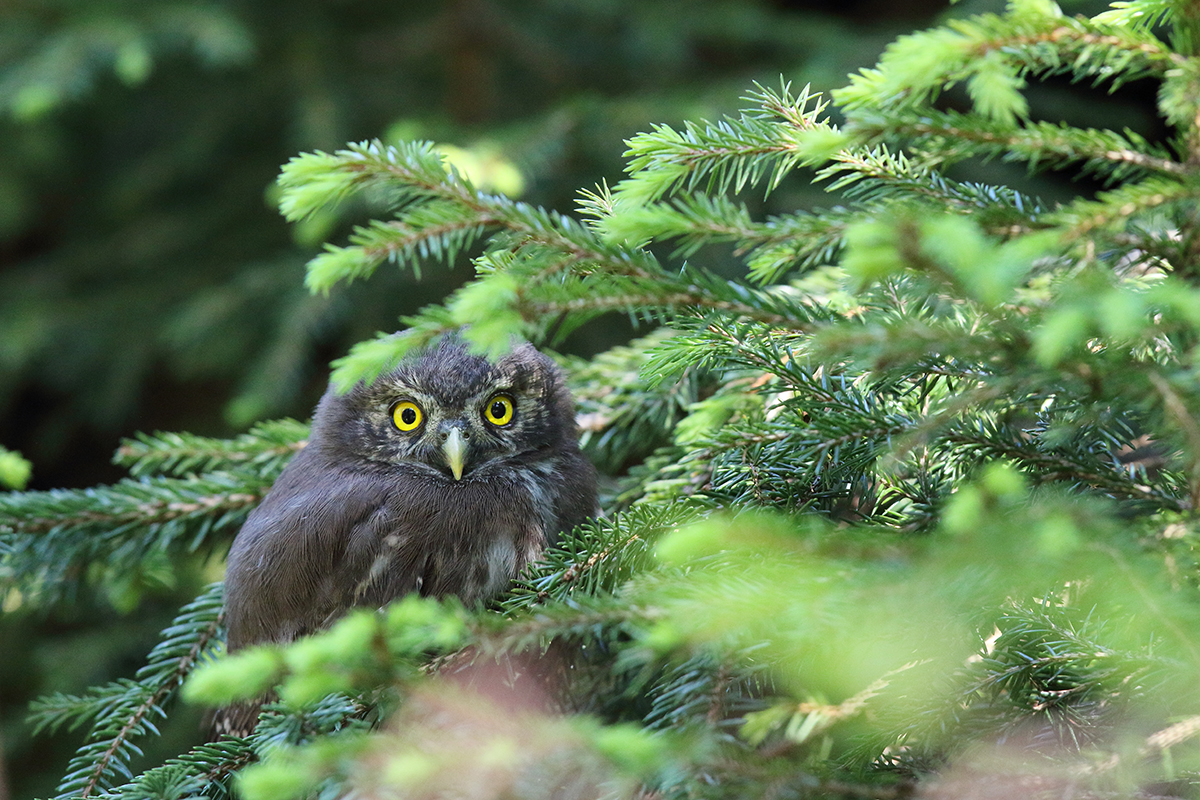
x,y
443,477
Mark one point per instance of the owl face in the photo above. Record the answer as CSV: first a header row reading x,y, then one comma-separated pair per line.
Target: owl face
x,y
451,413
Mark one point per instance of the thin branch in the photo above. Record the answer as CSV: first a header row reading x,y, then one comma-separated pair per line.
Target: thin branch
x,y
148,513
151,702
1062,468
648,301
1020,139
576,570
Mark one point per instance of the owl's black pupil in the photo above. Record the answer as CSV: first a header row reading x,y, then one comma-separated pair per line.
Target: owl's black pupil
x,y
499,409
408,416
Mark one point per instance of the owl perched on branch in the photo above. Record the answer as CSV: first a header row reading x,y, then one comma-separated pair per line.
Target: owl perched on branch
x,y
445,476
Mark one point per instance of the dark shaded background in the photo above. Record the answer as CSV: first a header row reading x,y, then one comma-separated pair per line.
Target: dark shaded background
x,y
147,281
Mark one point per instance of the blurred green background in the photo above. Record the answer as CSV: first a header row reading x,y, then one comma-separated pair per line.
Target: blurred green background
x,y
147,281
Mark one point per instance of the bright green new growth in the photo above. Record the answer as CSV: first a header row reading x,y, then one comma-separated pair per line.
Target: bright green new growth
x,y
909,500
14,470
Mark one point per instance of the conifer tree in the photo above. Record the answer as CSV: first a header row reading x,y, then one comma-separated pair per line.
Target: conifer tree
x,y
906,506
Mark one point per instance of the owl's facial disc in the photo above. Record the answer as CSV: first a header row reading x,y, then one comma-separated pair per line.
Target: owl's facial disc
x,y
449,413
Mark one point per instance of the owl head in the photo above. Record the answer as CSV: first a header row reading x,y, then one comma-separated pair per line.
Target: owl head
x,y
451,413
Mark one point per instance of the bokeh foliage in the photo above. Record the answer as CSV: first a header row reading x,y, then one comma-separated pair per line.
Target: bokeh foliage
x,y
903,485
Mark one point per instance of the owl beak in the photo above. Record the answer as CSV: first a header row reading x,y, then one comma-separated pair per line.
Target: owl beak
x,y
455,449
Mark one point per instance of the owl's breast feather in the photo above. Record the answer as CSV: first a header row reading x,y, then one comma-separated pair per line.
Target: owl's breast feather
x,y
437,537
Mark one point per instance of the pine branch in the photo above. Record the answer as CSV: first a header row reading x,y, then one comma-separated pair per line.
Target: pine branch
x,y
596,558
1113,210
267,447
954,136
53,538
621,417
1077,467
125,710
720,157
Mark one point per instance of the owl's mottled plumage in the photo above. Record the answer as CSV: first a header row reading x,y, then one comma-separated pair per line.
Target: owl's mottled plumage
x,y
368,511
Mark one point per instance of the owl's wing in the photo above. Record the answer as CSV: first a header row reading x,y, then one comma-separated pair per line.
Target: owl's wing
x,y
289,567
576,499
298,559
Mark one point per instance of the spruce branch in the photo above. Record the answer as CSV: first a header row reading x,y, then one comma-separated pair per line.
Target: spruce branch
x,y
207,769
125,711
1081,47
709,691
880,174
1114,209
153,502
1185,423
1068,686
1046,465
52,538
596,558
531,627
952,359
665,305
954,135
621,416
437,231
723,156
1179,102
990,52
49,713
203,771
440,213
266,447
1137,15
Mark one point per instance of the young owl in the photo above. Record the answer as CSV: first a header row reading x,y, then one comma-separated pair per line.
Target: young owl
x,y
443,477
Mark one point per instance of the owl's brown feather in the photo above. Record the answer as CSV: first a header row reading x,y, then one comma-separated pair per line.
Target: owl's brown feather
x,y
368,512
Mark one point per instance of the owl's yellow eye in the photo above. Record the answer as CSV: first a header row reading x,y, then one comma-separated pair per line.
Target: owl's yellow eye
x,y
406,415
499,410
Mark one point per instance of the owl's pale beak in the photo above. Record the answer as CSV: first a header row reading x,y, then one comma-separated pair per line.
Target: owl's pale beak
x,y
455,448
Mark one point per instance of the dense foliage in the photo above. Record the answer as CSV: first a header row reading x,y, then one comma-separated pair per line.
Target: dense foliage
x,y
906,504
